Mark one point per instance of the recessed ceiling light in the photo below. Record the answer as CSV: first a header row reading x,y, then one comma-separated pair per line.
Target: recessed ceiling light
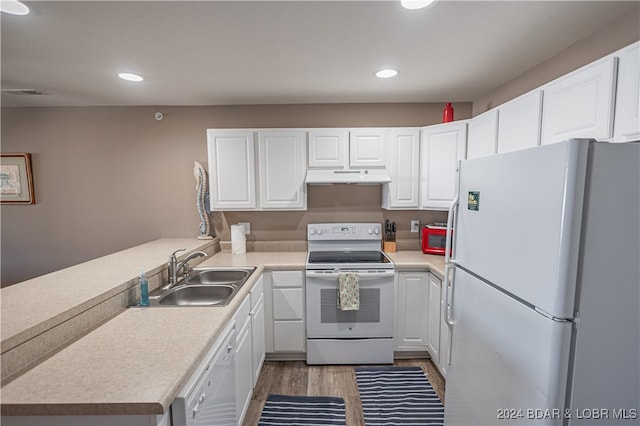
x,y
130,77
415,4
13,7
386,73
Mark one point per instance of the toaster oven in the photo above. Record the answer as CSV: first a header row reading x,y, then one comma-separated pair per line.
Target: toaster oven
x,y
433,238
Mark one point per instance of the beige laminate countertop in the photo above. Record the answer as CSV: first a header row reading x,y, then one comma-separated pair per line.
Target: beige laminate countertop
x,y
274,260
36,305
136,363
416,260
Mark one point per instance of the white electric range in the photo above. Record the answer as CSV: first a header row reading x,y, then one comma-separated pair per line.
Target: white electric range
x,y
363,336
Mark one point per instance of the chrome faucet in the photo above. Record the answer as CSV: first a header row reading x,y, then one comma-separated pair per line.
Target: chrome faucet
x,y
175,266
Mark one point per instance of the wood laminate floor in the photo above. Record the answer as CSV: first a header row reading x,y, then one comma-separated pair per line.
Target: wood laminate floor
x,y
298,378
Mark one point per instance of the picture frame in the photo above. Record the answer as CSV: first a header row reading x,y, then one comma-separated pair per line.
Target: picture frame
x,y
16,179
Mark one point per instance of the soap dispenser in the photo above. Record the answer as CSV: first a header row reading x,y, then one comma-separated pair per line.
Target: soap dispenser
x,y
144,289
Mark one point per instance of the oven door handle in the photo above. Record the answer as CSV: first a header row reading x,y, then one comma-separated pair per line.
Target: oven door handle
x,y
362,275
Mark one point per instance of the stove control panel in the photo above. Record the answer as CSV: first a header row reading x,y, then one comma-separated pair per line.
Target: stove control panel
x,y
344,231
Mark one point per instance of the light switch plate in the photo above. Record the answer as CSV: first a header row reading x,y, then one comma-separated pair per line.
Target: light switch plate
x,y
247,227
415,225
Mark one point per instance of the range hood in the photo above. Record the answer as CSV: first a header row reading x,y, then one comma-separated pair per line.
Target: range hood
x,y
362,177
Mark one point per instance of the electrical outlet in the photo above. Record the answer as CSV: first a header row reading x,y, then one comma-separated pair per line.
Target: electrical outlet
x,y
415,225
247,227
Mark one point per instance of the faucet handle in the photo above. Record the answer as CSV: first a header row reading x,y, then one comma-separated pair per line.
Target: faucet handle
x,y
174,253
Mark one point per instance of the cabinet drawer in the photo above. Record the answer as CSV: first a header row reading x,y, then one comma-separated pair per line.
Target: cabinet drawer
x,y
288,336
288,304
286,279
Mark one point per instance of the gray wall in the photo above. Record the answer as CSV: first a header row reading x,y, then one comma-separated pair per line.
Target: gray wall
x,y
110,178
620,33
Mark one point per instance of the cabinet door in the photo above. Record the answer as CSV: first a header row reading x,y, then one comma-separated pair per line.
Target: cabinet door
x,y
520,122
627,122
580,105
441,147
243,375
328,148
257,339
403,166
482,135
242,363
367,148
232,169
433,331
282,169
411,315
288,336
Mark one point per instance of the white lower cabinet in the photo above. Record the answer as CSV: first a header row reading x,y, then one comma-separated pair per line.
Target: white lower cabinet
x,y
433,309
243,363
249,319
284,316
438,330
412,314
257,329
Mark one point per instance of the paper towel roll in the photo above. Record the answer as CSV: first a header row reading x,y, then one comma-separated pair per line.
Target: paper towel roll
x,y
238,240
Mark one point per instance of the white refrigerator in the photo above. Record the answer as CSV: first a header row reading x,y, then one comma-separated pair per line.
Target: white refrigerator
x,y
545,294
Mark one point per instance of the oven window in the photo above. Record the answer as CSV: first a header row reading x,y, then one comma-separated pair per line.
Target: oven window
x,y
437,241
369,307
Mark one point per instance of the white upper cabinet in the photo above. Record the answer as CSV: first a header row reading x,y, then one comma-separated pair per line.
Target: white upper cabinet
x,y
359,148
483,135
441,147
580,104
520,121
328,148
282,168
627,123
232,169
403,166
280,165
367,147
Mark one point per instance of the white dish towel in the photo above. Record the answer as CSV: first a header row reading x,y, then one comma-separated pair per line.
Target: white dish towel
x,y
348,291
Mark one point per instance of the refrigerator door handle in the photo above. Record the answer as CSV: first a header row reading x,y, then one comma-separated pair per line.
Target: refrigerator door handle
x,y
448,239
448,303
452,210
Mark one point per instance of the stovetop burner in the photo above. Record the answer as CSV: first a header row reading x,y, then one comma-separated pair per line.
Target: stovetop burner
x,y
347,257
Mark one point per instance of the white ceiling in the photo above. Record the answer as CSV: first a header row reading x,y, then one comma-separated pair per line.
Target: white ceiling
x,y
268,52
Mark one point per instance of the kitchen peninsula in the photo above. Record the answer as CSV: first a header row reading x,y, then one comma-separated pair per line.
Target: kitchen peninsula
x,y
131,362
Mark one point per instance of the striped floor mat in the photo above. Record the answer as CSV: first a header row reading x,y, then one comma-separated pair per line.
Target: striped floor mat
x,y
302,410
398,396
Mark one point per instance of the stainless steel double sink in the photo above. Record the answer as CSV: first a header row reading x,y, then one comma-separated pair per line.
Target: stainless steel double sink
x,y
214,286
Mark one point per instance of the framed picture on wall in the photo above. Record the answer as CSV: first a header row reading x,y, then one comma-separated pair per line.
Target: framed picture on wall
x,y
16,179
